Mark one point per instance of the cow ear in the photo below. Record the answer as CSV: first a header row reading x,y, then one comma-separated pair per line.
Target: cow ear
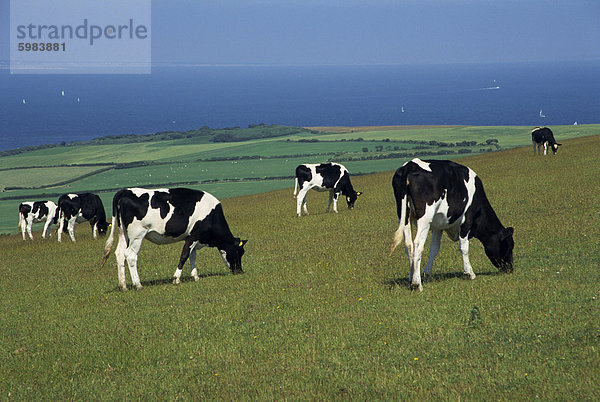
x,y
507,232
558,144
242,242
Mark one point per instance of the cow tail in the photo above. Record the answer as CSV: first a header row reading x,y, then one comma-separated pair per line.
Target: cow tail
x,y
295,187
116,221
55,217
109,242
401,192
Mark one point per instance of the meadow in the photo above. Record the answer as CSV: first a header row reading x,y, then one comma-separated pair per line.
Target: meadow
x,y
258,164
322,311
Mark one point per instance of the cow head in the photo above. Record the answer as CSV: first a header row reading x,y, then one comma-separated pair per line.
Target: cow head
x,y
555,147
500,250
102,226
232,254
351,199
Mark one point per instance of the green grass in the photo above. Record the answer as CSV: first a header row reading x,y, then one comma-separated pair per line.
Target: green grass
x,y
188,161
322,311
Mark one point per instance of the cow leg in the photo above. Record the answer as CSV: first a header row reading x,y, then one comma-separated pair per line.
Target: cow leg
x,y
545,148
185,254
335,200
420,239
434,248
131,254
464,249
23,227
46,226
61,225
195,247
71,228
301,201
120,255
330,201
533,148
409,247
95,230
29,225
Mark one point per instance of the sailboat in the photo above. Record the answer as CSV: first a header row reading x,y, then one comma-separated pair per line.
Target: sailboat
x,y
24,101
542,113
77,99
402,109
62,93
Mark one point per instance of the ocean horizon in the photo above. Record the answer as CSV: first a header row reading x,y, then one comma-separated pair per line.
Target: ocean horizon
x,y
53,108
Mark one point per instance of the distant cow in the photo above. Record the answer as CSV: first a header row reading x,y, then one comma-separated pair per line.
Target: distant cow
x,y
446,196
331,177
167,216
77,208
543,136
33,212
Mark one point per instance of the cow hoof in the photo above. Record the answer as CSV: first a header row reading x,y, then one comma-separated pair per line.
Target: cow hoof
x,y
196,278
417,286
471,276
138,287
176,281
124,288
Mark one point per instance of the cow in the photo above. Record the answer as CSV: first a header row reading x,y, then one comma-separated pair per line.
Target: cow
x,y
77,208
543,136
31,212
446,197
166,216
331,177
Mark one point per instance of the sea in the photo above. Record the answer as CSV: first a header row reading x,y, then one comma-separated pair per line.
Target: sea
x,y
40,109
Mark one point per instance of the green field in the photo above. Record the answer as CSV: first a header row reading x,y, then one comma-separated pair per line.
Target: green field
x,y
258,165
322,312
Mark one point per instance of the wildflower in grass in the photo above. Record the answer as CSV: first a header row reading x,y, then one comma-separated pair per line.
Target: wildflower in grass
x,y
416,358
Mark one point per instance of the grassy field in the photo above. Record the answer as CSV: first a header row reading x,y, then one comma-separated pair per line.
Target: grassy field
x,y
258,165
322,311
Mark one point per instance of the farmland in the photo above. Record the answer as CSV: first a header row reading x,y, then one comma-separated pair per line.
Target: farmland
x,y
258,164
322,311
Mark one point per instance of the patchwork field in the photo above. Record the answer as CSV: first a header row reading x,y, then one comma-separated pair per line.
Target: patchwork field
x,y
322,311
257,165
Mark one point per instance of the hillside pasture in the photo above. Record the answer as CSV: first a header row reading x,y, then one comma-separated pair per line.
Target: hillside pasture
x,y
258,165
322,311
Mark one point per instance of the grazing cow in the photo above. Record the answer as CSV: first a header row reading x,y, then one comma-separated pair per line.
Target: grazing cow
x,y
331,177
77,208
167,216
543,136
446,196
33,212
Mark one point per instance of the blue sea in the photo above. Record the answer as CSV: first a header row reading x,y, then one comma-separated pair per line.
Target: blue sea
x,y
41,109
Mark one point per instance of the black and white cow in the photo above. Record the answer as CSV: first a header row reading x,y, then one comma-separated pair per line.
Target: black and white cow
x,y
446,196
77,208
31,212
166,216
543,136
331,177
